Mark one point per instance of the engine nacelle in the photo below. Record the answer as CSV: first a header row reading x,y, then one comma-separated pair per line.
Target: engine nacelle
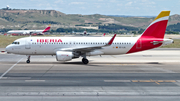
x,y
64,56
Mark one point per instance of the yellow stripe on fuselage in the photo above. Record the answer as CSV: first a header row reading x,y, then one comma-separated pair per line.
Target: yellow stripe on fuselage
x,y
162,14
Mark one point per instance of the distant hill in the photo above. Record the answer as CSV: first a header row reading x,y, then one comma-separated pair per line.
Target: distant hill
x,y
39,19
130,16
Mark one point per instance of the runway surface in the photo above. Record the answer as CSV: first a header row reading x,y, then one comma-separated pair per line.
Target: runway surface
x,y
149,75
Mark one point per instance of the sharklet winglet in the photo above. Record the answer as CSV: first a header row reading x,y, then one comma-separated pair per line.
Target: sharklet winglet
x,y
111,40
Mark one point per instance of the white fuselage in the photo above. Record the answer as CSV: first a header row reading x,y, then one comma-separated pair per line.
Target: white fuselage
x,y
50,45
24,31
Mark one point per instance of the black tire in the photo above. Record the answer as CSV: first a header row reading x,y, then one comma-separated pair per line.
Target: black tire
x,y
28,61
85,61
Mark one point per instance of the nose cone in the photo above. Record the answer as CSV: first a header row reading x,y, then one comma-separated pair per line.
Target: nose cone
x,y
8,49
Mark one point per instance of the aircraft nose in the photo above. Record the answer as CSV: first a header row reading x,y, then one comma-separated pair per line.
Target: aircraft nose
x,y
8,48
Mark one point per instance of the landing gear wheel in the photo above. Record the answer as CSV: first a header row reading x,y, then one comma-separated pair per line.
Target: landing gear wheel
x,y
28,61
85,61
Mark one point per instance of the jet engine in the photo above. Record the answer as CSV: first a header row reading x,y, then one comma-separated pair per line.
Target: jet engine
x,y
64,56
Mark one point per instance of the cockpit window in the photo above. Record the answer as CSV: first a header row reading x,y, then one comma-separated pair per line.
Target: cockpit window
x,y
15,43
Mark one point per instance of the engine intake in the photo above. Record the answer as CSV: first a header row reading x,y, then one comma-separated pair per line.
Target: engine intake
x,y
64,56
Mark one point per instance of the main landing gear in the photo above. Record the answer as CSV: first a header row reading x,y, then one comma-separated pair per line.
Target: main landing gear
x,y
28,59
85,61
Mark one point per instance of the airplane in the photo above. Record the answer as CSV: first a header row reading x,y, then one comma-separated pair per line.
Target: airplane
x,y
104,34
37,32
85,33
68,48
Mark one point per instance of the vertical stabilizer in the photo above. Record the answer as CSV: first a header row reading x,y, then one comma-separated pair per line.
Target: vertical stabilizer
x,y
47,29
153,36
158,27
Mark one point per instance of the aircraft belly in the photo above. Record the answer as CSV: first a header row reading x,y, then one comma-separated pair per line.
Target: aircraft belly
x,y
45,50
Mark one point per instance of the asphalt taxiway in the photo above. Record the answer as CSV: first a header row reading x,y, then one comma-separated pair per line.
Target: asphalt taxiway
x,y
149,75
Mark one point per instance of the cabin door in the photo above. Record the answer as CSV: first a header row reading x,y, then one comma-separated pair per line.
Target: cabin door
x,y
139,44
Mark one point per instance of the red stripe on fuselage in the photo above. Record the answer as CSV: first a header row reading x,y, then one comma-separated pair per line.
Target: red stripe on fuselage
x,y
154,32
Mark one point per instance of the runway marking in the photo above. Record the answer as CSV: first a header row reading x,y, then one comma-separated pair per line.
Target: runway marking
x,y
155,81
18,78
35,80
178,80
4,78
113,56
10,68
117,80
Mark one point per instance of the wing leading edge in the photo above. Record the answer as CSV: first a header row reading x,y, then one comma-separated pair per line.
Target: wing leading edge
x,y
89,48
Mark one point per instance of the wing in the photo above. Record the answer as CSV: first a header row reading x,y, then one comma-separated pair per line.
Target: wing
x,y
89,48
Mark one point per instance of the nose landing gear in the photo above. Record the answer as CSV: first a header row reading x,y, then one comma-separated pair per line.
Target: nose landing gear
x,y
28,59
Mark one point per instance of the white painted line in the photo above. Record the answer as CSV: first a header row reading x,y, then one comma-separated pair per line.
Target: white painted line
x,y
10,68
18,78
117,80
35,80
177,80
4,78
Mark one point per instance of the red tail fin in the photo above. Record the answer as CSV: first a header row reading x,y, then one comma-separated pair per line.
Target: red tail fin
x,y
47,29
154,33
104,34
158,27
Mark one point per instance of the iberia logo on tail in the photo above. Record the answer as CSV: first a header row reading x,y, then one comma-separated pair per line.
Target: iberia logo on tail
x,y
47,29
154,33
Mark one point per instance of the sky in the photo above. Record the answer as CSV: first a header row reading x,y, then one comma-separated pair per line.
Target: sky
x,y
104,7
